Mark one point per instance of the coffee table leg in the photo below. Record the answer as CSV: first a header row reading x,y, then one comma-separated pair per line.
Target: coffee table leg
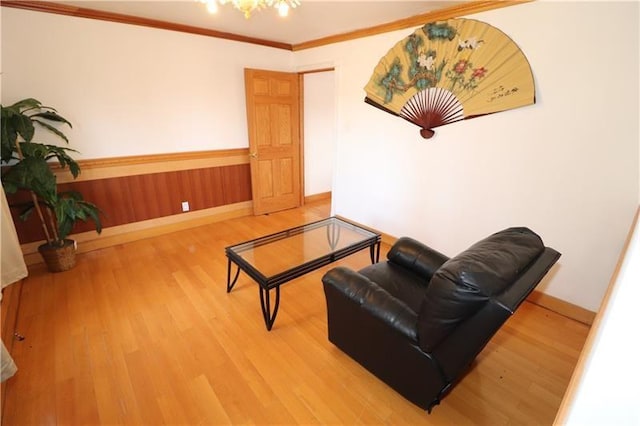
x,y
265,304
333,235
230,283
374,252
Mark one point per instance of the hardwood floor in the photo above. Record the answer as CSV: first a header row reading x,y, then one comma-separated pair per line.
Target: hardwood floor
x,y
145,333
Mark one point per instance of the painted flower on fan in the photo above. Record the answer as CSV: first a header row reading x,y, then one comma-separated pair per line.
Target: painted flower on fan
x,y
461,66
479,72
426,61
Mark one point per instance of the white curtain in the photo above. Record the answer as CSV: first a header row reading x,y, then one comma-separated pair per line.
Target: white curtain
x,y
13,269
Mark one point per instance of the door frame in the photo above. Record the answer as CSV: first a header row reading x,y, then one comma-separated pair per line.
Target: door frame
x,y
301,75
301,91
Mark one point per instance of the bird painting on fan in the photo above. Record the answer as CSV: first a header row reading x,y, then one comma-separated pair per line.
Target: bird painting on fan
x,y
470,43
447,71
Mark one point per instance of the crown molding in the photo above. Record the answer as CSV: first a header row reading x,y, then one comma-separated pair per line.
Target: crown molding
x,y
82,12
413,21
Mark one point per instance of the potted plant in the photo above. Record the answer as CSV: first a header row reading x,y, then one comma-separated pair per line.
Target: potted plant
x,y
30,169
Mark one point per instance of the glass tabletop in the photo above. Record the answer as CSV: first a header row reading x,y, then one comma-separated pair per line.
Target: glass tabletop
x,y
308,246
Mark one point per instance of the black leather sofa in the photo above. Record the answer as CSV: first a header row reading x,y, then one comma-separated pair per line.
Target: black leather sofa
x,y
418,320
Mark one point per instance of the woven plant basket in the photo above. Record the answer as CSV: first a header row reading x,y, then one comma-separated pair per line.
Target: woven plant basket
x,y
59,259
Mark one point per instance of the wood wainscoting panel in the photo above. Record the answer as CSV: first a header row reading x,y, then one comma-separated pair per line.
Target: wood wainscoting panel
x,y
89,241
154,203
130,199
155,189
104,168
236,184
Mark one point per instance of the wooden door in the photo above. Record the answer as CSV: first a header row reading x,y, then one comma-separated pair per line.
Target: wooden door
x,y
273,115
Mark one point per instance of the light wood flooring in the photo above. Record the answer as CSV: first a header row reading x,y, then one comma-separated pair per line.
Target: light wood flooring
x,y
145,333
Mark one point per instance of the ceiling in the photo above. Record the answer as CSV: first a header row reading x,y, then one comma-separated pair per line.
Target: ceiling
x,y
312,20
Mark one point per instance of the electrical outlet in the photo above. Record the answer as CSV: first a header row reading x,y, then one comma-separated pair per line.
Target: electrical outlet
x,y
185,206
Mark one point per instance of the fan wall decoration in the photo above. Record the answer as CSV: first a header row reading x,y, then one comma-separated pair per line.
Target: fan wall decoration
x,y
449,71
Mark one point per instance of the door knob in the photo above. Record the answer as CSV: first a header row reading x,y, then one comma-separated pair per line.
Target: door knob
x,y
253,155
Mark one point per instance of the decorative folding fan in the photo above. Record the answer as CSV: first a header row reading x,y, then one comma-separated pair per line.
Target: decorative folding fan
x,y
449,71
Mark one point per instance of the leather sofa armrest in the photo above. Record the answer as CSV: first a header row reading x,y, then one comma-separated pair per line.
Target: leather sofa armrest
x,y
373,299
414,255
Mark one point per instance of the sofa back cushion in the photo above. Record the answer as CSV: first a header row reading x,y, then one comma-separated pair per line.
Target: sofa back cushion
x,y
467,281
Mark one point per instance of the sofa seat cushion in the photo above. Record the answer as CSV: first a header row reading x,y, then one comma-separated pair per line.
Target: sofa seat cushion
x,y
465,282
400,282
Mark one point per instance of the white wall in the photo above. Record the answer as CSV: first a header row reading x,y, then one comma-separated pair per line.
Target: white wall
x,y
132,90
604,390
319,131
566,167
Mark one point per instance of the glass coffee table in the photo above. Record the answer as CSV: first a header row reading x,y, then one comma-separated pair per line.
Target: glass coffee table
x,y
279,258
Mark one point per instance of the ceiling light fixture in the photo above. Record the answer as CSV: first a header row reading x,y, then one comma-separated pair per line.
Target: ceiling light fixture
x,y
249,6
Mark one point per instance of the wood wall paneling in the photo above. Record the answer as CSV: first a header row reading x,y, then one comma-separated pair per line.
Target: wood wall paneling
x,y
198,190
136,198
236,184
158,192
215,177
